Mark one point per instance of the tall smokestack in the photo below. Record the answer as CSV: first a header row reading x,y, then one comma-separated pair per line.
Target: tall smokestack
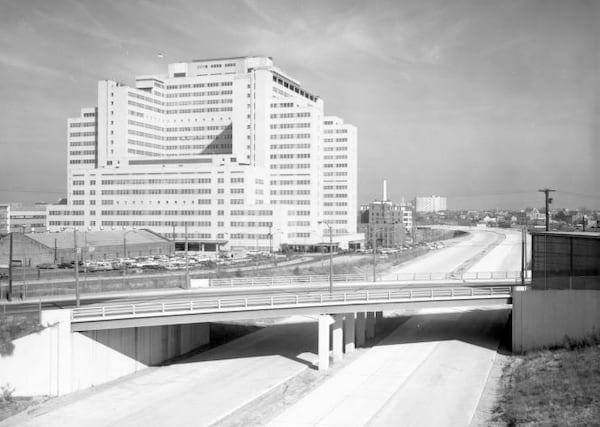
x,y
385,190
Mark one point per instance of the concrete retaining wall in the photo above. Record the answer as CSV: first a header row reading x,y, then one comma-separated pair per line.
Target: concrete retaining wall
x,y
544,318
57,361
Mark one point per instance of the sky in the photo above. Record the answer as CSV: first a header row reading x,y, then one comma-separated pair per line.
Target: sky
x,y
482,101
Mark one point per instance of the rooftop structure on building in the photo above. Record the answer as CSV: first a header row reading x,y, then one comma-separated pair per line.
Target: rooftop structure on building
x,y
233,149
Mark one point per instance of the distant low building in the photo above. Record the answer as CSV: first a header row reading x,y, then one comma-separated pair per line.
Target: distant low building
x,y
23,218
31,249
431,204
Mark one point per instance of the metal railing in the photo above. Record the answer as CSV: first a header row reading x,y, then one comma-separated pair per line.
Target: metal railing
x,y
401,277
215,305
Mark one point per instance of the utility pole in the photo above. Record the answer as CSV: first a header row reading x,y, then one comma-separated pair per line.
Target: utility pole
x,y
187,265
547,192
523,262
374,232
55,259
10,258
76,267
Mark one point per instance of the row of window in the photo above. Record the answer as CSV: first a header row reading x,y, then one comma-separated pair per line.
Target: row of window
x,y
333,213
289,146
290,192
82,124
68,213
290,125
290,136
250,224
200,110
155,212
198,85
290,182
157,191
293,88
290,156
82,162
289,115
291,166
194,94
83,153
335,139
156,181
82,143
335,148
80,134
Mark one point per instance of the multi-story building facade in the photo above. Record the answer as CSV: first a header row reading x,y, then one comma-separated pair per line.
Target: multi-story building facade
x,y
386,222
431,204
233,149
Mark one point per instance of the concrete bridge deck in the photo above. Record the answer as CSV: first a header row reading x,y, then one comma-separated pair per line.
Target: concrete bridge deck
x,y
211,309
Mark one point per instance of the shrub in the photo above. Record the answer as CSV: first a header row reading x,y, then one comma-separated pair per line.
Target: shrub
x,y
7,392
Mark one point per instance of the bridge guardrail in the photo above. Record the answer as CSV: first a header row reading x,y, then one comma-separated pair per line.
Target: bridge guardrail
x,y
357,277
209,305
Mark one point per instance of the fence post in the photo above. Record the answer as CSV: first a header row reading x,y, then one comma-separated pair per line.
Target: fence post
x,y
321,298
389,295
344,296
163,307
133,309
271,300
219,304
103,311
297,300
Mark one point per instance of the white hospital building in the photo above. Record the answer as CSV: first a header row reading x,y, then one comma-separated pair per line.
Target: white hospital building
x,y
235,149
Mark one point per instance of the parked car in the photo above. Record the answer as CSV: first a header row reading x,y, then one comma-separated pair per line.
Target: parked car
x,y
65,265
46,266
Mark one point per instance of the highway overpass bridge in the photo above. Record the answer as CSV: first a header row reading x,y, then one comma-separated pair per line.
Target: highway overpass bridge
x,y
350,314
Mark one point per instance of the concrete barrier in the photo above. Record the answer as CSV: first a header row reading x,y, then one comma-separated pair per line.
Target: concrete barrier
x,y
546,318
57,361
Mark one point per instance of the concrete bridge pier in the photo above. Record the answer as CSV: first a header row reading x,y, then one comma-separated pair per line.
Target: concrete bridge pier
x,y
370,327
349,332
337,337
325,321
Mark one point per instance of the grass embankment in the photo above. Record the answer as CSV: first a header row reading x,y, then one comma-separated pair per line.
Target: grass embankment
x,y
13,327
560,387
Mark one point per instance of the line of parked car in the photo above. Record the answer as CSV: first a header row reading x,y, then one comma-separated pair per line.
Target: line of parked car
x,y
139,264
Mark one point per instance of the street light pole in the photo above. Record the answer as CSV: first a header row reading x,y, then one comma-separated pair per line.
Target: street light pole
x,y
125,248
330,255
76,267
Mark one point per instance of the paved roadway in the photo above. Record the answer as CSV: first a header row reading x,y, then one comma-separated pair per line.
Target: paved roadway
x,y
481,243
429,372
198,391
